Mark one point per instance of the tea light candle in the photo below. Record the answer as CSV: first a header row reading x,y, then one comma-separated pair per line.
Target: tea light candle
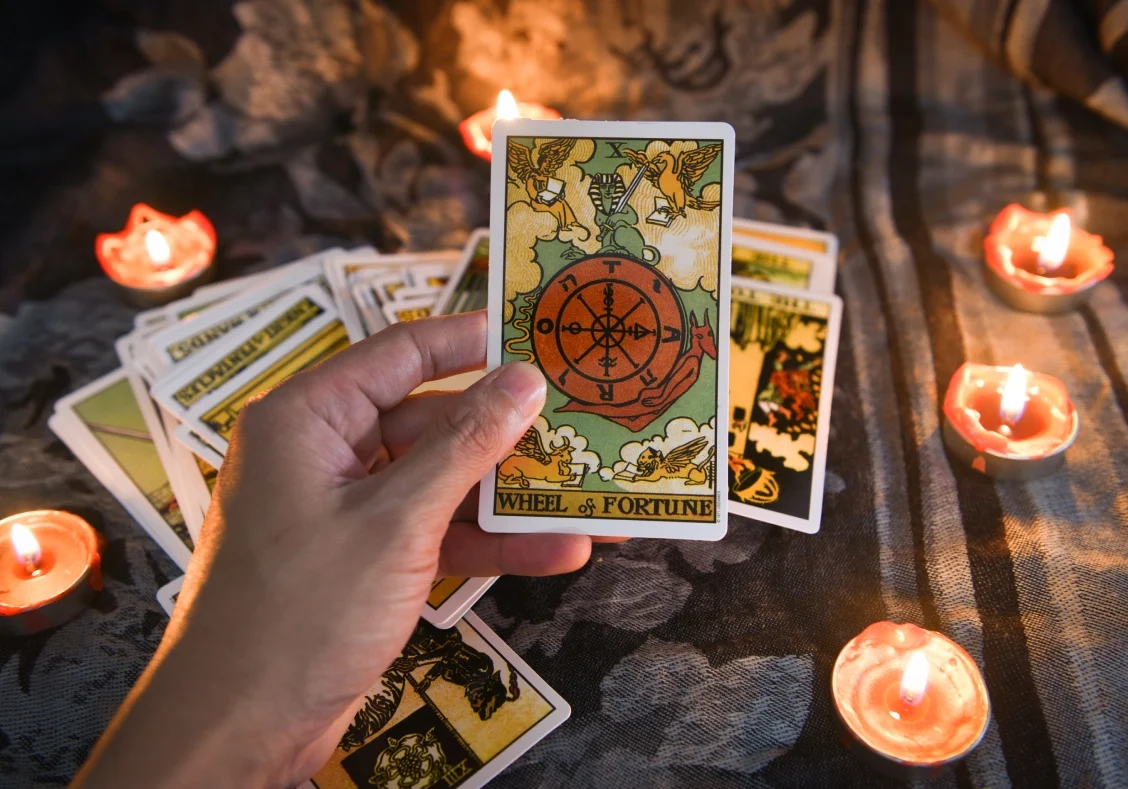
x,y
1007,422
50,569
477,130
157,257
1040,263
913,699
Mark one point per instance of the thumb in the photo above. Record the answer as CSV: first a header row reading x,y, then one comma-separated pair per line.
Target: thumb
x,y
472,435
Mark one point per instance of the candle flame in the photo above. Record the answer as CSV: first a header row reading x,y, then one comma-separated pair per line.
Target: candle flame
x,y
914,681
157,246
25,545
1053,247
507,106
1013,401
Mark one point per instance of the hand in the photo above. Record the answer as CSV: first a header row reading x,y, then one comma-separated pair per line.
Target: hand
x,y
340,501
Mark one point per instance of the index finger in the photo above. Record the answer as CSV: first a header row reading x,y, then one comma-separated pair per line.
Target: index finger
x,y
387,366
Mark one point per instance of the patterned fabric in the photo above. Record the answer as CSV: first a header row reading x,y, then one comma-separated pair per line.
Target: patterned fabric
x,y
1076,47
691,664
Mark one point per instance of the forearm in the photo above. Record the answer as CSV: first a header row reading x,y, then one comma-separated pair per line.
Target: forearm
x,y
182,725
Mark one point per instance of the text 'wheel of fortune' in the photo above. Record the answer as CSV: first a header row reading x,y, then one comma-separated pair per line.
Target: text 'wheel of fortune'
x,y
607,327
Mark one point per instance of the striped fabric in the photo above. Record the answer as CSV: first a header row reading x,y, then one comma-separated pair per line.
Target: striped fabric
x,y
1031,577
1076,47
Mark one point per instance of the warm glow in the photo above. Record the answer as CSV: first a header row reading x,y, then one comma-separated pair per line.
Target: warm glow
x,y
1013,401
157,246
507,106
1053,247
25,545
914,682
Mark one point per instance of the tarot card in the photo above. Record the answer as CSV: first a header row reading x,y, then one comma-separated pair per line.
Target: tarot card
x,y
297,331
385,286
168,594
403,310
745,230
150,320
779,264
455,709
613,285
346,271
468,287
418,292
176,343
104,427
170,453
428,275
190,440
450,598
784,344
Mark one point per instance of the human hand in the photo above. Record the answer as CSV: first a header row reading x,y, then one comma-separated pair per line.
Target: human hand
x,y
339,502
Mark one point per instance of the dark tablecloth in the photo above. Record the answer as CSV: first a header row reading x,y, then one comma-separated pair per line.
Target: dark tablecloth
x,y
686,664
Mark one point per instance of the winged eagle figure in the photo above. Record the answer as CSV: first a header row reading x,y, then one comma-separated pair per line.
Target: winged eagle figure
x,y
675,177
540,177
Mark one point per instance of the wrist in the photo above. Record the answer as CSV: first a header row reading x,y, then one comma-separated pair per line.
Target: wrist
x,y
185,724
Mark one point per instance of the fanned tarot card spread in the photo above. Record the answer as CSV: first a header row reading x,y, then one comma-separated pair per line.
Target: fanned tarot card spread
x,y
609,270
468,288
208,392
363,287
454,710
784,344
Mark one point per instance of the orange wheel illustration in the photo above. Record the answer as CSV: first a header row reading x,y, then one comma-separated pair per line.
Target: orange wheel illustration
x,y
607,327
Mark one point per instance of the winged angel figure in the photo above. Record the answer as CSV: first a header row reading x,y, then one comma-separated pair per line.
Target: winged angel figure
x,y
653,466
540,178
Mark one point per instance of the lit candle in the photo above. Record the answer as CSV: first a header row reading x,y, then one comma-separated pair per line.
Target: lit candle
x,y
477,130
913,699
157,257
1007,422
50,569
1041,263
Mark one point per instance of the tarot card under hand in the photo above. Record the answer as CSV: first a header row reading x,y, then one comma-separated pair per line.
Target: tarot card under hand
x,y
783,346
455,709
104,427
168,594
208,392
609,269
452,597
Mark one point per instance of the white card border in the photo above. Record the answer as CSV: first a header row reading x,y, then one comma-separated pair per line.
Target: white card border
x,y
822,236
166,592
823,269
445,616
447,294
390,308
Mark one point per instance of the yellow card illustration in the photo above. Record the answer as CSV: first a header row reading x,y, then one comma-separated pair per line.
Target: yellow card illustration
x,y
453,710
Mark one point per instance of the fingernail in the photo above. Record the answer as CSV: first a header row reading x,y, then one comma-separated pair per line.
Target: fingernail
x,y
524,383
